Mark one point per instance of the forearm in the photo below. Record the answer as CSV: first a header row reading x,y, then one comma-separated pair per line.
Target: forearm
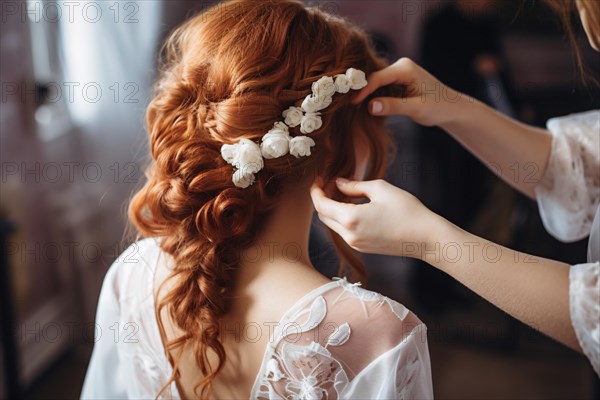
x,y
518,153
532,289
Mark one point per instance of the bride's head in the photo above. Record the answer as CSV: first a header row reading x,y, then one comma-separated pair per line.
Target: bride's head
x,y
228,74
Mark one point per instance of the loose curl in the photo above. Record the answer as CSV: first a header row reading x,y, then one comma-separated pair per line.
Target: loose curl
x,y
228,73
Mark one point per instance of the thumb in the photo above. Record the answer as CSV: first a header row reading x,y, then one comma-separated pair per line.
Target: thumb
x,y
356,188
394,106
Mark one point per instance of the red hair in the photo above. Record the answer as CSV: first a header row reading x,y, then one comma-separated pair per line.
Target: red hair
x,y
565,9
229,73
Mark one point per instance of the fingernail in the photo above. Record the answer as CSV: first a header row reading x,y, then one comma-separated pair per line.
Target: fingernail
x,y
341,181
377,107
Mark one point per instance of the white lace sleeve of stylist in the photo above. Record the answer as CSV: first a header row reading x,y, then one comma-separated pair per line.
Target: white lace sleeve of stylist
x,y
569,193
585,309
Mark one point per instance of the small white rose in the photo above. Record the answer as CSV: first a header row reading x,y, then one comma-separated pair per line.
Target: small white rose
x,y
357,78
316,103
310,122
323,102
342,83
300,146
293,116
275,144
309,104
324,87
228,152
248,157
279,127
242,179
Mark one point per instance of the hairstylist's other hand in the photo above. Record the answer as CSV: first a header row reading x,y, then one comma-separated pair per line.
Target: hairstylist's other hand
x,y
391,219
428,102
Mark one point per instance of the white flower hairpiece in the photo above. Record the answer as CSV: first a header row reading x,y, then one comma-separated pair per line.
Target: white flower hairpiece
x,y
248,157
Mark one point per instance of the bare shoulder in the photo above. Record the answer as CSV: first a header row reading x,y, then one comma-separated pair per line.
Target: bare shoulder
x,y
273,291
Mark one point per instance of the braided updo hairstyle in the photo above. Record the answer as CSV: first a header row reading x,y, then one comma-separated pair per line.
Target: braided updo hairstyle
x,y
226,74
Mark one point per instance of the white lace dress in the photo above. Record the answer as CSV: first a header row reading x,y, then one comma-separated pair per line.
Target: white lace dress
x,y
339,341
569,203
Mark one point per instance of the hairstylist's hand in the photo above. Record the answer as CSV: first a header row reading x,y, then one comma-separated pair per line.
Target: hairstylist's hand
x,y
429,102
391,218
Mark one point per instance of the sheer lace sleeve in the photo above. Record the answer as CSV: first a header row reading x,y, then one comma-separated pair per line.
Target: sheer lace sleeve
x,y
585,309
345,342
569,193
404,371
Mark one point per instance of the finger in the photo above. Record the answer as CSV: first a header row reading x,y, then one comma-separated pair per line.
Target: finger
x,y
372,85
366,189
334,225
382,106
399,72
327,207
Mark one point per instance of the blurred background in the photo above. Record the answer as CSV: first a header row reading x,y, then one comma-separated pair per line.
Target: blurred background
x,y
76,77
